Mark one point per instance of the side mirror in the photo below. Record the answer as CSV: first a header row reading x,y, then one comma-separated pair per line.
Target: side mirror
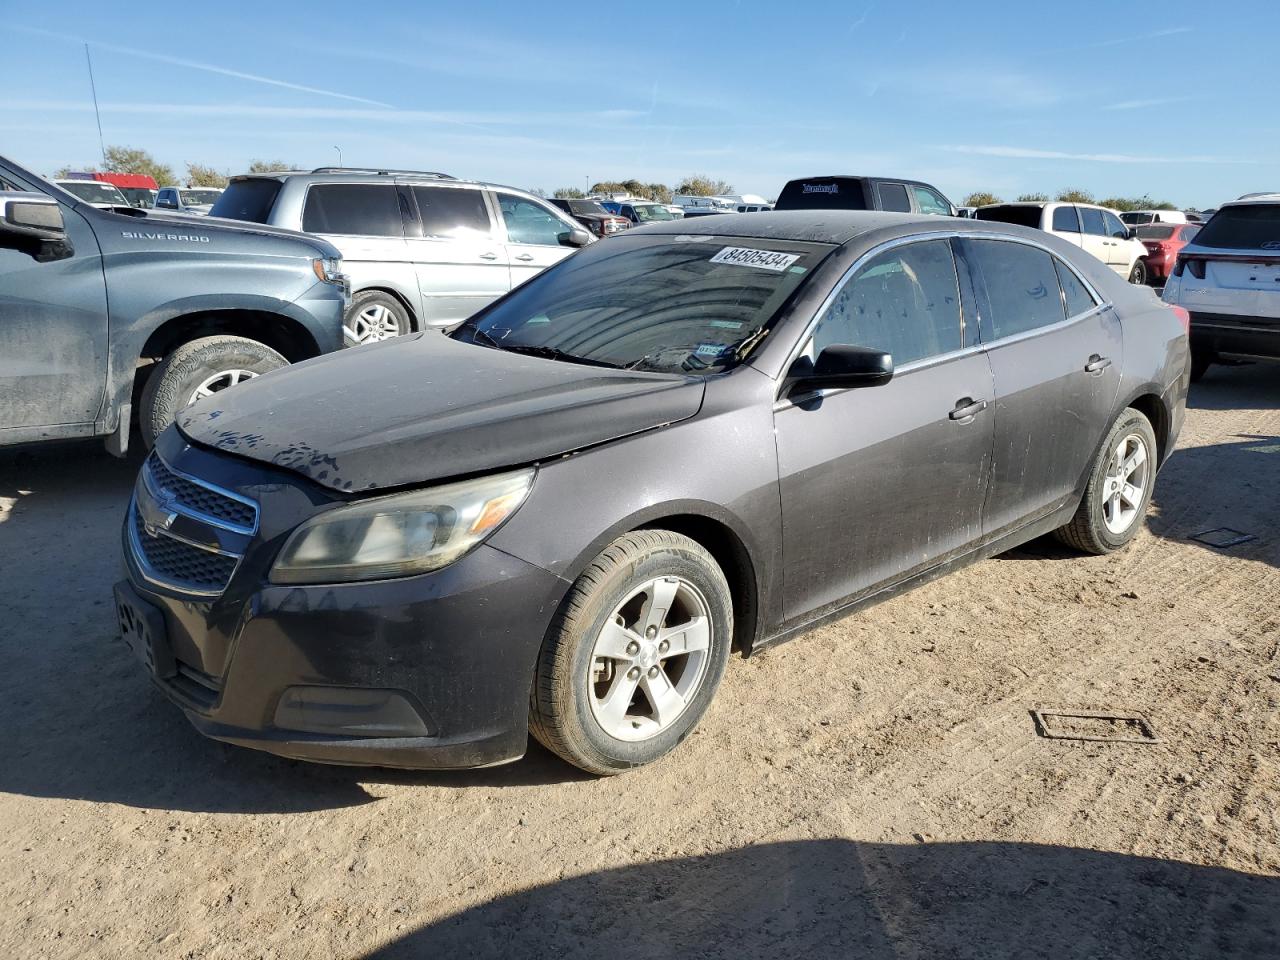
x,y
842,366
577,237
31,223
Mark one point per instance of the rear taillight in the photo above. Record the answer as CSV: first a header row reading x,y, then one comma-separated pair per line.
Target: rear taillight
x,y
1194,264
1183,317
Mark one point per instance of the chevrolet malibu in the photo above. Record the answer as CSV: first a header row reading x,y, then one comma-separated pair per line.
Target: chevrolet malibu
x,y
700,438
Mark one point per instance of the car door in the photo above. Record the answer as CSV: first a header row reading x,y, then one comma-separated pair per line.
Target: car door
x,y
460,263
53,331
1093,233
536,237
1055,352
882,481
1121,251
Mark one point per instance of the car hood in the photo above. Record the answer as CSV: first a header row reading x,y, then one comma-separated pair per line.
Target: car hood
x,y
424,408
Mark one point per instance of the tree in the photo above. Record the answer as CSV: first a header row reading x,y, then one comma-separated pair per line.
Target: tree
x,y
1075,196
133,160
979,198
569,193
270,166
538,192
201,176
1033,198
699,185
658,191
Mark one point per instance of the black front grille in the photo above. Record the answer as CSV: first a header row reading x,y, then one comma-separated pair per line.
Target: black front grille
x,y
182,565
199,498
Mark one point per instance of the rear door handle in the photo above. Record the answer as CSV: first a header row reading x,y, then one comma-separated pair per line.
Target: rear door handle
x,y
526,257
967,409
1097,364
488,256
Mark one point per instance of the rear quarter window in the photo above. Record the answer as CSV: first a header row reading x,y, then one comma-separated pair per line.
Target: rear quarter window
x,y
247,200
353,209
1254,226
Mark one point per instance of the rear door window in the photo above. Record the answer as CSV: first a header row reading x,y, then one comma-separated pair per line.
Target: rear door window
x,y
893,197
353,209
1092,222
452,212
905,301
248,200
1018,287
1253,226
1065,220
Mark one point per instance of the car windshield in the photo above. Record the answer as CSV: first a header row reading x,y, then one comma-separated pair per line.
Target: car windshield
x,y
588,207
1250,226
1154,232
200,198
673,304
647,212
94,191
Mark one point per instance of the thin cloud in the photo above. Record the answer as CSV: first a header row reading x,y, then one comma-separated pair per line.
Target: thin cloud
x,y
1144,104
1155,35
862,19
206,67
1026,153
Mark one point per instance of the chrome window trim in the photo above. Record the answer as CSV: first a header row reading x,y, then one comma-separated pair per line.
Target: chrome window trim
x,y
188,511
1101,305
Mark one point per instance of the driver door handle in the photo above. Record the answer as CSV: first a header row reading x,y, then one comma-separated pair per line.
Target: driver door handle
x,y
488,256
1097,364
526,257
967,408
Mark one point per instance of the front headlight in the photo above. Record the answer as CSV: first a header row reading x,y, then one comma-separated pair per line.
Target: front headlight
x,y
400,535
328,269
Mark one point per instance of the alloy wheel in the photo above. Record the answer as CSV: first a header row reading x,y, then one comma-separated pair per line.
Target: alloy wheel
x,y
375,322
218,382
1125,485
650,659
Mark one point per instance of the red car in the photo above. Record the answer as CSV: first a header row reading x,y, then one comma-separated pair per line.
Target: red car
x,y
1163,241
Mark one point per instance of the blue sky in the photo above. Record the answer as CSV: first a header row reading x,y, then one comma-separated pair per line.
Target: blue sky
x,y
1175,99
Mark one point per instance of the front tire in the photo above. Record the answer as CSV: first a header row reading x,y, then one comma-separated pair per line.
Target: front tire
x,y
197,370
1119,491
634,655
1138,274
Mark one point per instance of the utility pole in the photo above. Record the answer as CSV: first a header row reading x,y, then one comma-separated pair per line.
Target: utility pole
x,y
94,87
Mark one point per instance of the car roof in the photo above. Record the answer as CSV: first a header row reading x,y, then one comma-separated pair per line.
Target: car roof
x,y
324,175
813,226
1251,198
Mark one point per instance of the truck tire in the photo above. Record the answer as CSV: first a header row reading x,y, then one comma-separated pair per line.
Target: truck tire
x,y
374,316
634,655
1119,491
196,370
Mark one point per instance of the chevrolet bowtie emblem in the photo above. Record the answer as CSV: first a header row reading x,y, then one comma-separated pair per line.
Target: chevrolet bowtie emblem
x,y
157,513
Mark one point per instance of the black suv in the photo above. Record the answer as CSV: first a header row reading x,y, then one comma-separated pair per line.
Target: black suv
x,y
100,309
864,193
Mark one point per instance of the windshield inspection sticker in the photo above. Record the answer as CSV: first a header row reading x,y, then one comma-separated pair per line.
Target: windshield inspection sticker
x,y
760,259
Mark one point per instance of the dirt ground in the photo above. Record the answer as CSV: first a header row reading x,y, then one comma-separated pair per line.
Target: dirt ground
x,y
876,789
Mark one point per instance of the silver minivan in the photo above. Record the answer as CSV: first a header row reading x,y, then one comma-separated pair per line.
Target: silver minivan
x,y
422,249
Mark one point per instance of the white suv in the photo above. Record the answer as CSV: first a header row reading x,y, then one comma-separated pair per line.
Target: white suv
x,y
1090,227
1228,279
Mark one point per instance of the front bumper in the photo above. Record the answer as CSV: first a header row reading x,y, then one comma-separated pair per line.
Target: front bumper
x,y
431,671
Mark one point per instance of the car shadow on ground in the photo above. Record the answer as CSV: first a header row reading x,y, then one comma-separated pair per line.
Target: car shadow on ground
x,y
874,901
81,720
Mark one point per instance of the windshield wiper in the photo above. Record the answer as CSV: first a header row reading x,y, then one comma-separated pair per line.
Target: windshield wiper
x,y
552,353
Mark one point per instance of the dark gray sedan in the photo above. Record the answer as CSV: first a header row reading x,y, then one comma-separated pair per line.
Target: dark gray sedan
x,y
698,438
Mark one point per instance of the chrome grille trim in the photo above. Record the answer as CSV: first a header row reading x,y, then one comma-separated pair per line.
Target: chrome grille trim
x,y
200,499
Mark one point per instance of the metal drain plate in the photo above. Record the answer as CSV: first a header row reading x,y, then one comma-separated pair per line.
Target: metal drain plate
x,y
1222,537
1096,725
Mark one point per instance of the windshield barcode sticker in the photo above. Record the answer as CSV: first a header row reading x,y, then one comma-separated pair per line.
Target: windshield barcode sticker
x,y
760,259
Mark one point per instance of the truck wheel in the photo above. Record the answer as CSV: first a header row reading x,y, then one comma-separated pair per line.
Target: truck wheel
x,y
635,654
373,316
197,370
1119,490
1138,274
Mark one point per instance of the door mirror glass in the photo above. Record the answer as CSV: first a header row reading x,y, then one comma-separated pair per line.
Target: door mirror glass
x,y
578,237
841,366
31,223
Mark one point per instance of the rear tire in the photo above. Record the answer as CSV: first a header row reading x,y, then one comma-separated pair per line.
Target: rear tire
x,y
1116,499
1138,274
622,652
202,366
